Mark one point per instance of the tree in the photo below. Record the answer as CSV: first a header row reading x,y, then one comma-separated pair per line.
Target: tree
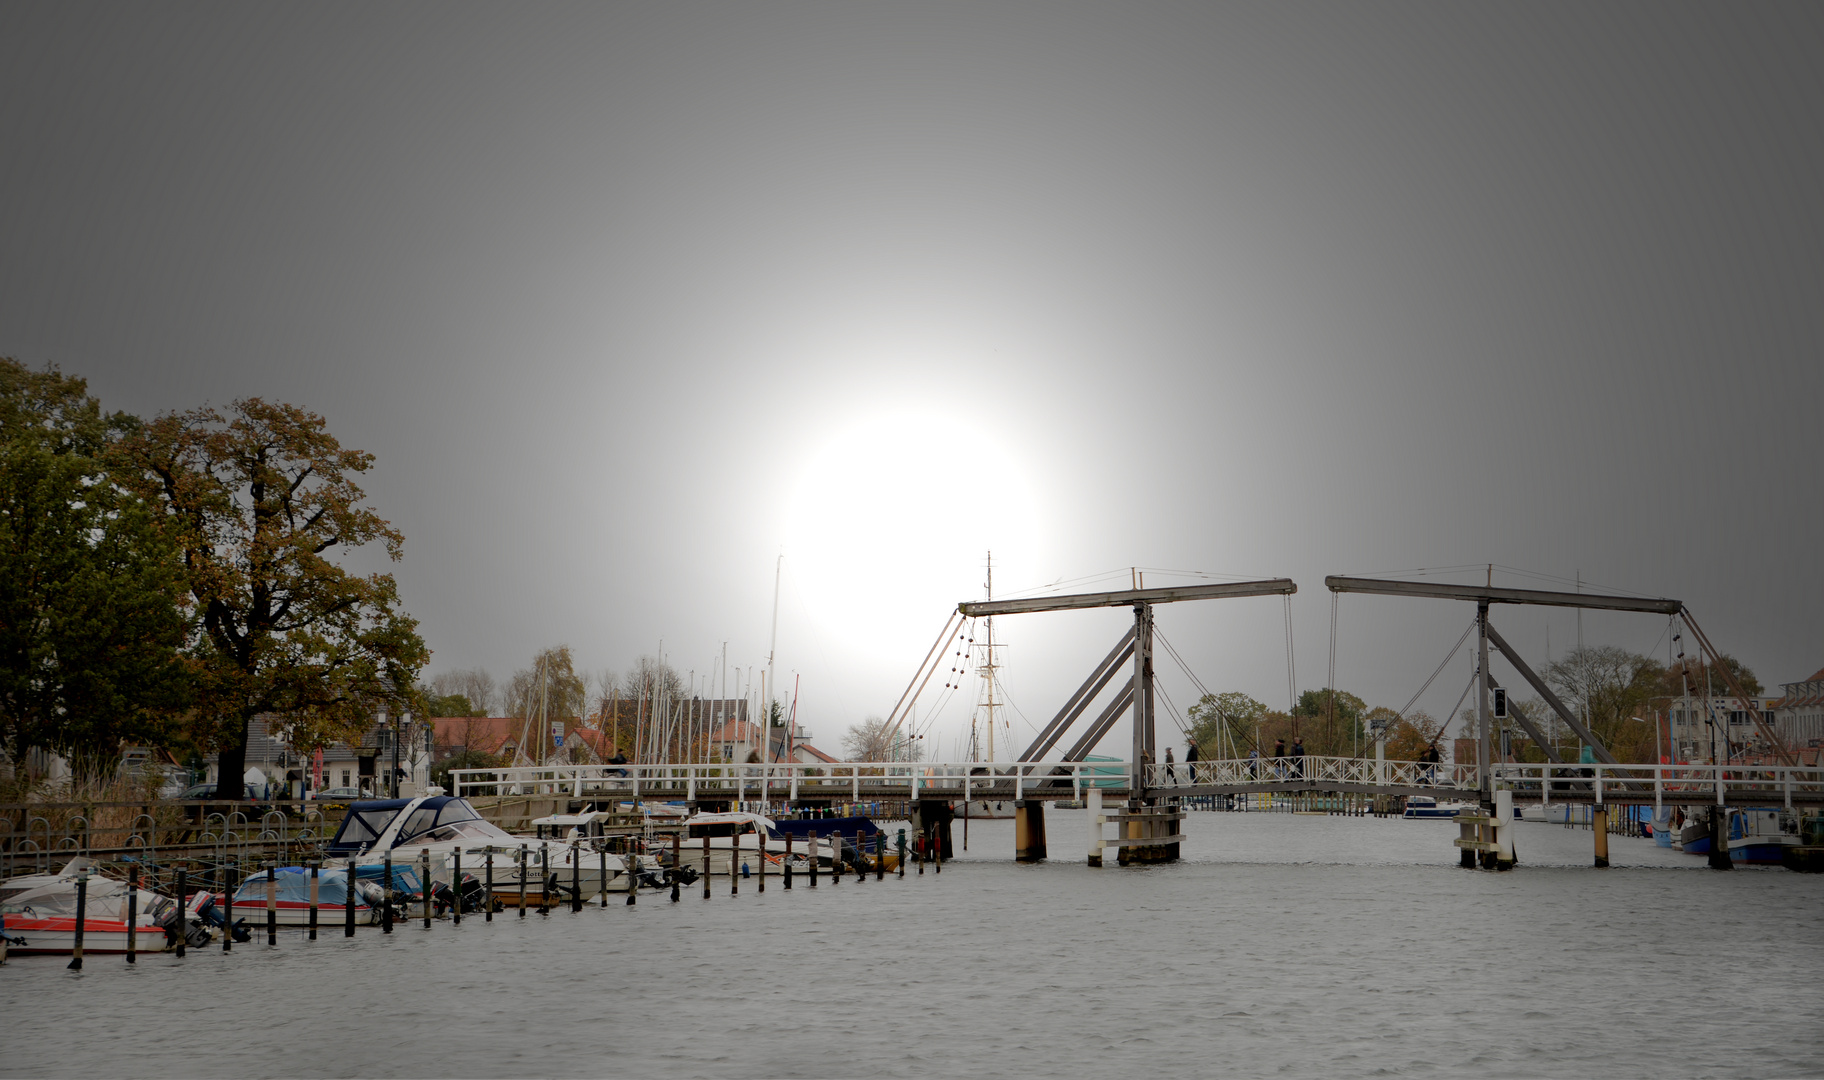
x,y
550,688
256,500
1410,736
1223,721
473,685
92,624
1609,685
1335,721
873,740
1687,675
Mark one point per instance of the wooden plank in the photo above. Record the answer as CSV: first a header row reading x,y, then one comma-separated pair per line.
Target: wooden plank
x,y
1146,841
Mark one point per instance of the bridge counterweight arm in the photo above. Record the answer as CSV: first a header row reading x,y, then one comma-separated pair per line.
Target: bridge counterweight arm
x,y
1128,597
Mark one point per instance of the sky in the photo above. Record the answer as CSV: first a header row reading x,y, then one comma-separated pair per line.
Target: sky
x,y
642,308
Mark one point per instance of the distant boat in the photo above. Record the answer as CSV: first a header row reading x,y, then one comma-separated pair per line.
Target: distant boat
x,y
1424,806
1761,835
41,910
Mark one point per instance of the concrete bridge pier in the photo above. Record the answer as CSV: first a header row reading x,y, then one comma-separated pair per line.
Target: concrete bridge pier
x,y
1029,831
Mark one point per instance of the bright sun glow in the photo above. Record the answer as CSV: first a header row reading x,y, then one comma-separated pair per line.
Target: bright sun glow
x,y
891,518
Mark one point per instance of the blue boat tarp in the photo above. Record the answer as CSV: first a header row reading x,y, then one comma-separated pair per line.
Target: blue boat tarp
x,y
293,887
405,876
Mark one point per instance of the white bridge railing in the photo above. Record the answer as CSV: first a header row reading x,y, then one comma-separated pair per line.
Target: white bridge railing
x,y
762,781
1579,782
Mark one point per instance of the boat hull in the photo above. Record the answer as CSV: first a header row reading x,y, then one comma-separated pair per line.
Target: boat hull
x,y
51,936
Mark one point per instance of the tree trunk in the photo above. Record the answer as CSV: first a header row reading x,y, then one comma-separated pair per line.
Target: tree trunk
x,y
231,763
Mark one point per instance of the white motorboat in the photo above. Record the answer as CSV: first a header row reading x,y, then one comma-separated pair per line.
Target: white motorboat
x,y
39,910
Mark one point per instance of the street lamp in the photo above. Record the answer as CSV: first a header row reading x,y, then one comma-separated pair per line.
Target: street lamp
x,y
1638,720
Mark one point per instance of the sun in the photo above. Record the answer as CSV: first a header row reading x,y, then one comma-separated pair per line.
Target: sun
x,y
891,517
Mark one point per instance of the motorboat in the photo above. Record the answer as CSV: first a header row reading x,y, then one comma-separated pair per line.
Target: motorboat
x,y
39,913
1760,835
291,897
405,832
1425,806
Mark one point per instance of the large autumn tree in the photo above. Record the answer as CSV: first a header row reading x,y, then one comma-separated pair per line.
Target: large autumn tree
x,y
259,500
92,620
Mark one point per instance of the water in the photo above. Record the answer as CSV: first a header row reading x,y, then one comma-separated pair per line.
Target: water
x,y
1297,946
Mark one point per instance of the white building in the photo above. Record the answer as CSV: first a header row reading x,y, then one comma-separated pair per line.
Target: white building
x,y
1697,723
1799,716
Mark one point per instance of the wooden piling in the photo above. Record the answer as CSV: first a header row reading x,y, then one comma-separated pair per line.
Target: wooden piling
x,y
313,900
183,916
348,902
1599,825
880,856
544,878
424,883
456,887
1029,831
272,904
227,908
813,858
734,857
677,864
788,860
1720,858
902,853
132,914
706,867
604,854
522,881
82,912
576,877
487,890
386,893
760,843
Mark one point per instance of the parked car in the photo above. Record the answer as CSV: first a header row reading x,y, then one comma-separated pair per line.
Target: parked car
x,y
337,794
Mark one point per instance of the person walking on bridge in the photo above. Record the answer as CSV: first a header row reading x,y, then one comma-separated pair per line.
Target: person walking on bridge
x,y
1279,759
1298,757
1171,776
1190,759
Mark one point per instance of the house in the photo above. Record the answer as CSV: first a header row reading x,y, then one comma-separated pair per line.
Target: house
x,y
1692,723
737,740
1798,716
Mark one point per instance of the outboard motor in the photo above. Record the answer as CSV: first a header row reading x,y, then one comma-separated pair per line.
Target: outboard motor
x,y
207,913
193,932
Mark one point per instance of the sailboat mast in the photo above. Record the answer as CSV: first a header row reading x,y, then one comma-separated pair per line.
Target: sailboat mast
x,y
990,596
770,687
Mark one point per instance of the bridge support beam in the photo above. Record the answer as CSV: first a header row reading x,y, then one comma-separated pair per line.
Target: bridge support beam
x,y
1029,831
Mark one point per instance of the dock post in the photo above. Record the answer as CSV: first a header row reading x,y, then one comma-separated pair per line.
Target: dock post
x,y
734,858
1092,799
348,901
386,893
1719,840
706,866
82,913
227,908
313,900
1466,831
456,887
272,903
424,884
487,889
576,878
183,915
1029,831
880,856
544,878
1504,829
1599,825
813,858
132,914
633,880
677,864
788,860
760,855
604,855
522,881
902,853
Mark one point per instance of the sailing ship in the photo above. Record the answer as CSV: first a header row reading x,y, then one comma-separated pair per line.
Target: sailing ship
x,y
986,723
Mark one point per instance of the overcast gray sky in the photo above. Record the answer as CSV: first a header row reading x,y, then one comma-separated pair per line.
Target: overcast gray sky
x,y
629,300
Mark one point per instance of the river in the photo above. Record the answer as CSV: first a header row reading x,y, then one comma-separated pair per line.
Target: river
x,y
1285,945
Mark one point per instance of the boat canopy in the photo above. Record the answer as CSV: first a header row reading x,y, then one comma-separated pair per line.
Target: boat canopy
x,y
430,820
826,827
47,897
730,824
293,887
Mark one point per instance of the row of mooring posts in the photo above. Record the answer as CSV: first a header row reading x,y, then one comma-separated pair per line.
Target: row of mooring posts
x,y
932,846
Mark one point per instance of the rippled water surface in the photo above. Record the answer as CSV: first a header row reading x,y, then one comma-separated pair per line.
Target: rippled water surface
x,y
1298,946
